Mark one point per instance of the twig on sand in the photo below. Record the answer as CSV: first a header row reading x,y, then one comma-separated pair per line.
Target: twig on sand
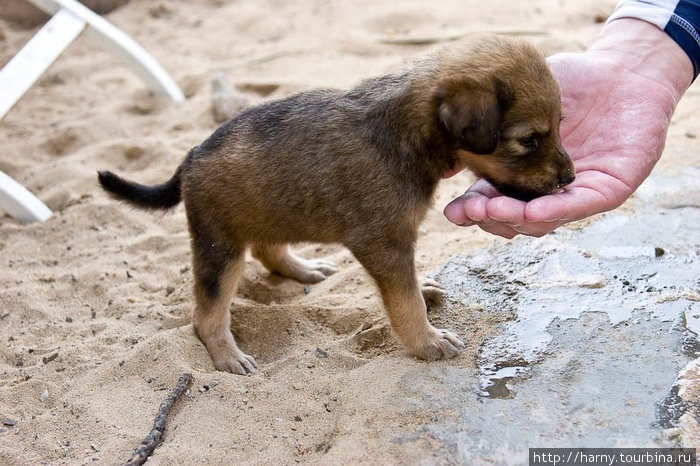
x,y
267,58
408,40
149,444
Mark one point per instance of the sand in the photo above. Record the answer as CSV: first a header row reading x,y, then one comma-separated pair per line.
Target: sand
x,y
95,302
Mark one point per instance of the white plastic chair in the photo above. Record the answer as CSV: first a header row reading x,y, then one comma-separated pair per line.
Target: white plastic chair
x,y
69,19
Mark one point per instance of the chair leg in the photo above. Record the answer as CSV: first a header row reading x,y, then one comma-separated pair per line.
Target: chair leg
x,y
17,201
23,70
69,19
120,45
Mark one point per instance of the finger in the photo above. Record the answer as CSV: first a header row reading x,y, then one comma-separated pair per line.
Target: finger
x,y
470,207
466,209
506,210
482,186
575,203
512,213
537,229
500,229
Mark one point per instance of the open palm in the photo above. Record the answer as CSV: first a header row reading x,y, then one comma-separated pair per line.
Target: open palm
x,y
614,127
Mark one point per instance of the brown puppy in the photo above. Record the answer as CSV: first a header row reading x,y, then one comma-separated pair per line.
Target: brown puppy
x,y
359,168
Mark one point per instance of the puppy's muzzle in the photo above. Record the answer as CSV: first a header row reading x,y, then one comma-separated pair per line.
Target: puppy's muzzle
x,y
567,173
566,177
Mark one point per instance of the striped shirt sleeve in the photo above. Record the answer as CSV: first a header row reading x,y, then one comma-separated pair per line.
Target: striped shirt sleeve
x,y
680,19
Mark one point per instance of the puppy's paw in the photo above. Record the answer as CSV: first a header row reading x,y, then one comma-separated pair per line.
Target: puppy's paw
x,y
313,270
235,361
442,344
432,291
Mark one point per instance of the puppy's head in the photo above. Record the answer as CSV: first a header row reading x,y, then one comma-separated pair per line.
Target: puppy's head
x,y
500,106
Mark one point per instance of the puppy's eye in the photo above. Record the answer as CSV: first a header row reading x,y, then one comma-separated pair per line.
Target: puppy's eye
x,y
531,142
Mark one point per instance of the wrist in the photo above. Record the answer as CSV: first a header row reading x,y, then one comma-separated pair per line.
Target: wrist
x,y
644,49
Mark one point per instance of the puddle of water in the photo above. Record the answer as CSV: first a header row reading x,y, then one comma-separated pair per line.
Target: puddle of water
x,y
563,276
496,383
589,330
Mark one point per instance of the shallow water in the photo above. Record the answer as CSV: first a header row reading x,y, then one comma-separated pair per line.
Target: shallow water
x,y
596,325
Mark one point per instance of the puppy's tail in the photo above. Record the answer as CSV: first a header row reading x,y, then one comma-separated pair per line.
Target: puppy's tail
x,y
163,196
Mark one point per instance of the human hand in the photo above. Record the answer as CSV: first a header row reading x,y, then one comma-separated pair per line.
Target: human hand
x,y
617,98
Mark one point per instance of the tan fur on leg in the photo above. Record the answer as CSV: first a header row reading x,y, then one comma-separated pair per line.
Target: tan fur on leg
x,y
407,313
212,323
394,272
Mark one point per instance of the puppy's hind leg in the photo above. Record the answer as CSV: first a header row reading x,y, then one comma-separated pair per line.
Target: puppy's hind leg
x,y
280,259
392,267
217,270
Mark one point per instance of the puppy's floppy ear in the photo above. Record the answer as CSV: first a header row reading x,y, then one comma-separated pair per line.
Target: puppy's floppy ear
x,y
472,112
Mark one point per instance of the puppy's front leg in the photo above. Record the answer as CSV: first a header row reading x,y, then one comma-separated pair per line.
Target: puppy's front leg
x,y
393,270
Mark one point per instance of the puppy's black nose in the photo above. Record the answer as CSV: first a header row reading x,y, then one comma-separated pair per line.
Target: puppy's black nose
x,y
565,178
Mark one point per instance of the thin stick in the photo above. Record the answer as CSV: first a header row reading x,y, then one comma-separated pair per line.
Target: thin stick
x,y
149,444
407,40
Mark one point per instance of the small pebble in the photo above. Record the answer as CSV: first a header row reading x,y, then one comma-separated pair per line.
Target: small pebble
x,y
44,395
50,357
9,422
307,289
591,281
159,11
69,319
226,100
320,353
134,152
658,252
169,290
